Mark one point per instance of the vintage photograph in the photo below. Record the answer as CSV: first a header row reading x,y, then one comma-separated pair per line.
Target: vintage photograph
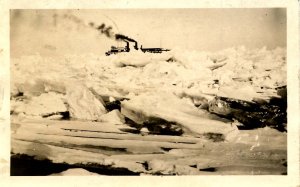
x,y
134,92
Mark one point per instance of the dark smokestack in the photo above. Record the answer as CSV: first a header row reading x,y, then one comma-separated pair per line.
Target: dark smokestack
x,y
107,31
123,37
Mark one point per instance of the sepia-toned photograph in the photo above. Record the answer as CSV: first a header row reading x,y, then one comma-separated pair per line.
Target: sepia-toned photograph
x,y
135,92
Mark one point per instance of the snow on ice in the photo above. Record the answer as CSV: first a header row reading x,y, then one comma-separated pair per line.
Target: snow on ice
x,y
175,86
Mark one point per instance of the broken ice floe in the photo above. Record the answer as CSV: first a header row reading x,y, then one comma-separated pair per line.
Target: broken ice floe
x,y
174,88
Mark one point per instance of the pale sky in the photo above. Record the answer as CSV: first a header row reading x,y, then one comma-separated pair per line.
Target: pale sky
x,y
192,29
209,29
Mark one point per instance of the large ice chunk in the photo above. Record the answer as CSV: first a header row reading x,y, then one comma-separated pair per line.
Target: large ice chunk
x,y
43,105
82,104
173,109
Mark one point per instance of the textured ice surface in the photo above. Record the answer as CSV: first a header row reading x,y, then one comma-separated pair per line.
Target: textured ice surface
x,y
86,80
